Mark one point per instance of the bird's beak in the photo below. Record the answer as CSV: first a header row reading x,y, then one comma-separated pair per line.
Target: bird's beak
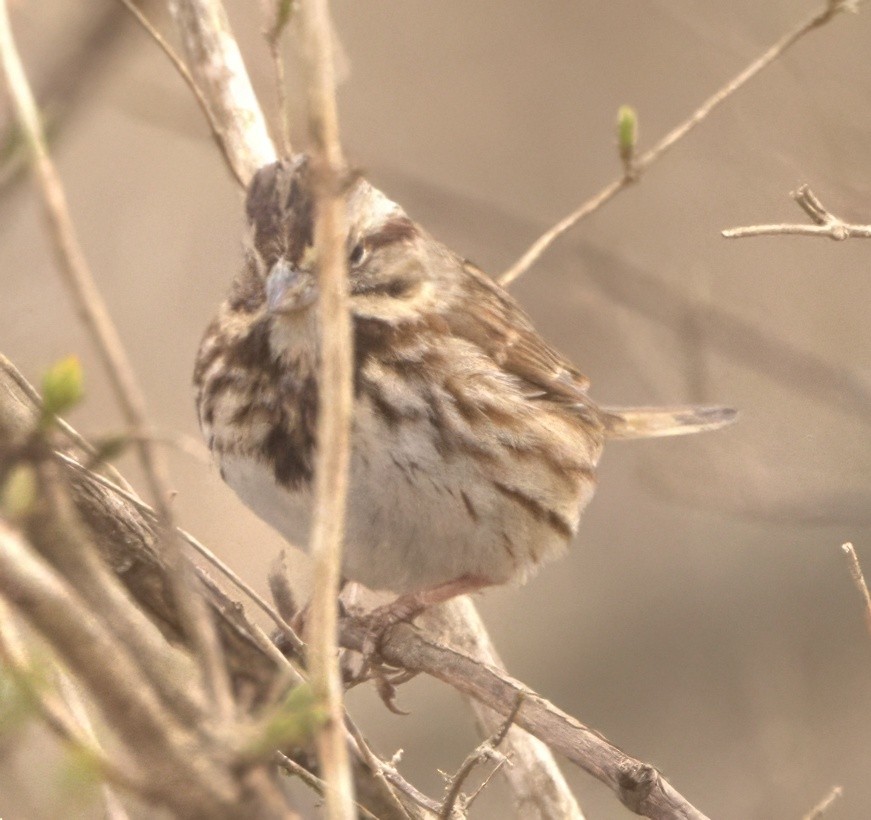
x,y
289,289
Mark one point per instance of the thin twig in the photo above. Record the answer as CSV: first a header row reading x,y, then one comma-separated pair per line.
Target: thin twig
x,y
638,785
7,368
858,580
163,746
823,806
217,66
392,775
95,316
201,548
274,39
113,808
56,715
836,230
312,781
335,398
535,251
500,765
191,83
825,222
485,751
538,788
380,769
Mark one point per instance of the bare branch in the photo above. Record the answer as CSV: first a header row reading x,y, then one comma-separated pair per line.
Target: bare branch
x,y
113,808
858,580
825,223
57,716
191,83
639,786
130,707
197,545
484,752
127,542
216,64
535,251
823,806
312,781
538,787
335,404
95,316
274,34
389,775
125,536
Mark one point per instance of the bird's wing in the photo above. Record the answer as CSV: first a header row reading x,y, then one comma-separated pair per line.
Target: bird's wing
x,y
501,328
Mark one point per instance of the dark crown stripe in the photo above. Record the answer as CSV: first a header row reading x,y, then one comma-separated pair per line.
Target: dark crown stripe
x,y
396,229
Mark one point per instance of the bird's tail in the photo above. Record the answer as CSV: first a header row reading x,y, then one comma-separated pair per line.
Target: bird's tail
x,y
647,422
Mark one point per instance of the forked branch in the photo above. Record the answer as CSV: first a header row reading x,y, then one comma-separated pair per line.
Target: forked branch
x,y
824,223
642,163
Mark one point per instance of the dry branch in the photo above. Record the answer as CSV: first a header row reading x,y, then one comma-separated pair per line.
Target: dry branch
x,y
825,804
487,750
219,71
859,580
639,786
123,531
95,316
642,163
538,788
824,223
129,706
127,542
335,398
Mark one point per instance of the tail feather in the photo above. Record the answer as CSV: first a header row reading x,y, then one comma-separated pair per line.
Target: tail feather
x,y
647,422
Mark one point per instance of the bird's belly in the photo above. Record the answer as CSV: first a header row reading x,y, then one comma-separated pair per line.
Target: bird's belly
x,y
406,529
418,517
288,511
415,518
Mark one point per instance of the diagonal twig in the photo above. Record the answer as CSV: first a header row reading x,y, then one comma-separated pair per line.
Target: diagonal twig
x,y
95,316
825,804
535,251
858,580
216,64
538,787
484,751
638,785
191,83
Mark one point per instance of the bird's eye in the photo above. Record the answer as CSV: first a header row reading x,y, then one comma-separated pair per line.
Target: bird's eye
x,y
358,254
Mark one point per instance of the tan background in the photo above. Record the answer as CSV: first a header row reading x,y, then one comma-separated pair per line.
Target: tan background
x,y
704,620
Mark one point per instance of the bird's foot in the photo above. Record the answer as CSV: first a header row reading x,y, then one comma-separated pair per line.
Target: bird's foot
x,y
404,609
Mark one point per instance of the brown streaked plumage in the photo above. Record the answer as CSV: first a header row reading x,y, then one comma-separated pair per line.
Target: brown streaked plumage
x,y
474,442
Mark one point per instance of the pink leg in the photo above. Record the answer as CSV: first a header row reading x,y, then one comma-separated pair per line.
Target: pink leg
x,y
408,606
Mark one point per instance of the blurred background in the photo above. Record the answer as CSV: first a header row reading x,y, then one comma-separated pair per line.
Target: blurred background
x,y
704,620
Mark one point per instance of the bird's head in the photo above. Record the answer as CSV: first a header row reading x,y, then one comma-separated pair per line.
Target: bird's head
x,y
386,276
